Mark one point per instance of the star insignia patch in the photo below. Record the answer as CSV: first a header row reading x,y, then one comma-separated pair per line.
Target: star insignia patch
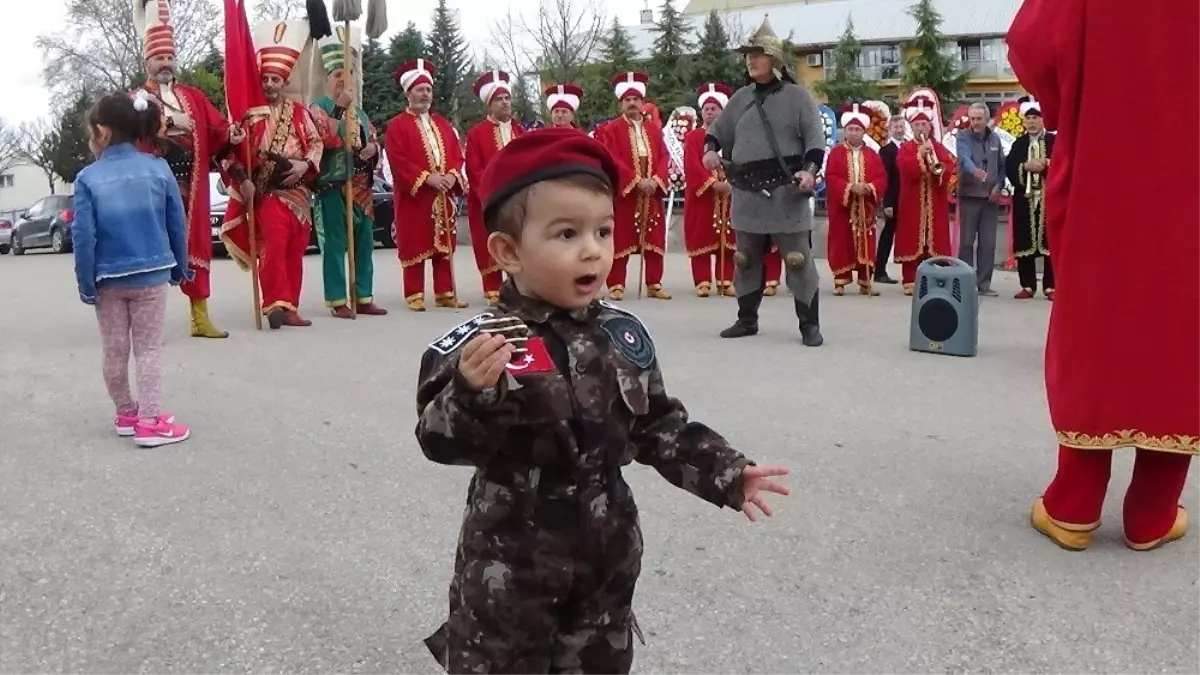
x,y
459,335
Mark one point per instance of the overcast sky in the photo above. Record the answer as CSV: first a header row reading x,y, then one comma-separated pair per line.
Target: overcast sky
x,y
22,96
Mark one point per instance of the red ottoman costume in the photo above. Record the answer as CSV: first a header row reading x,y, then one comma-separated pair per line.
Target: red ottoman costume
x,y
852,216
1122,353
419,146
194,134
923,218
638,149
278,133
484,140
564,98
707,231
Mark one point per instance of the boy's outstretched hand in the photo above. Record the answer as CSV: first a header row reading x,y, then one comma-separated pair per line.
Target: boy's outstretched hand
x,y
483,360
756,483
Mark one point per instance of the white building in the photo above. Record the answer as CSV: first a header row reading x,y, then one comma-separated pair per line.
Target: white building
x,y
23,184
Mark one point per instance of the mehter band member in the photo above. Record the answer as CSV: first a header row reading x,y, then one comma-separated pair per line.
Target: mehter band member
x,y
425,156
484,140
1027,165
1121,356
707,229
923,217
638,148
856,180
562,100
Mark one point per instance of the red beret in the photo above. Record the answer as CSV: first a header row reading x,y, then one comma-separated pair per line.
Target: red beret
x,y
551,153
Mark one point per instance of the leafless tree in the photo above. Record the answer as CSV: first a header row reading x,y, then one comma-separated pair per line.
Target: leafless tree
x,y
10,148
559,40
98,48
37,143
278,10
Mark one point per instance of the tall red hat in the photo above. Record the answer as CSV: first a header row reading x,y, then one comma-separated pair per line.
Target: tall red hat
x,y
551,153
152,19
565,96
855,113
625,84
414,72
923,104
715,92
491,83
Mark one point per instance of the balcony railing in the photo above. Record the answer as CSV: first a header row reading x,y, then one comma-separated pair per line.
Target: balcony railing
x,y
985,68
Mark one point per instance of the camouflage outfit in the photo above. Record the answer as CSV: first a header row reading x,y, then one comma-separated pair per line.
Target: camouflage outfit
x,y
550,548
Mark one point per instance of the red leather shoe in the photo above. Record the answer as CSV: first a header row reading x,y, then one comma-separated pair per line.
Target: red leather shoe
x,y
371,309
292,318
1024,294
341,312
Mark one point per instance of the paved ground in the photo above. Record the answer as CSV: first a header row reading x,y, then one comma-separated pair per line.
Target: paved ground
x,y
302,530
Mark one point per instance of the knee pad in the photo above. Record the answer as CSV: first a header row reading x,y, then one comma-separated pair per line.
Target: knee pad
x,y
794,259
741,259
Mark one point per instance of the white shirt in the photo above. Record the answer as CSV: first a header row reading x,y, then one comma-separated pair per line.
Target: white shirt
x,y
174,109
505,132
431,138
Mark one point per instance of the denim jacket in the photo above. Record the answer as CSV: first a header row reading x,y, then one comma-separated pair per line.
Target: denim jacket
x,y
128,220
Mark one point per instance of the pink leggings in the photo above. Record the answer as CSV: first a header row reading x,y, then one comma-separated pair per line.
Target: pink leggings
x,y
133,317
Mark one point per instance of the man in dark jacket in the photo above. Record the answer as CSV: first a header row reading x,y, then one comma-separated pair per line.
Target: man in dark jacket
x,y
890,198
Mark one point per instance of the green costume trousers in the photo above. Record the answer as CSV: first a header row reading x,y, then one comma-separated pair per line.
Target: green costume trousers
x,y
331,221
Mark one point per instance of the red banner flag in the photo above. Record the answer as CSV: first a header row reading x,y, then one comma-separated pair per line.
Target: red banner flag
x,y
243,83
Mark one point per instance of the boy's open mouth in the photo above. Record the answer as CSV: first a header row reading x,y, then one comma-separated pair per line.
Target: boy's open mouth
x,y
586,280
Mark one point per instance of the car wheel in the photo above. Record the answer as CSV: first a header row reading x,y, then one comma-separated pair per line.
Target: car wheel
x,y
58,241
17,247
4,249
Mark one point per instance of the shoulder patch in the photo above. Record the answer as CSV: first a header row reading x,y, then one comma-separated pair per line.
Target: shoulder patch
x,y
458,336
629,335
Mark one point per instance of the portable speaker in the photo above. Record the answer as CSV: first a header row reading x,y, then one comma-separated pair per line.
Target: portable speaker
x,y
945,308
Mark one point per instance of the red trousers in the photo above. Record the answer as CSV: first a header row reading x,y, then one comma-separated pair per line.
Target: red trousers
x,y
443,277
281,263
703,264
908,270
654,269
492,281
863,276
1076,494
198,287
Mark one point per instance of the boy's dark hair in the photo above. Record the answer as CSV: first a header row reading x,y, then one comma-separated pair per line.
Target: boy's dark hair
x,y
118,113
509,217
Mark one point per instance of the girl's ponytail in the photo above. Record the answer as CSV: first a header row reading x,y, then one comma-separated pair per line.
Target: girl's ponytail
x,y
129,119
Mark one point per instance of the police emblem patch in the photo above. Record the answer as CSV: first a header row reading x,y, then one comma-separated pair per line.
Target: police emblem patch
x,y
630,338
457,336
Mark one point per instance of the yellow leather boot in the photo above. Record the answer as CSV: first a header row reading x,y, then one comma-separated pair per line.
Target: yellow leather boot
x,y
202,326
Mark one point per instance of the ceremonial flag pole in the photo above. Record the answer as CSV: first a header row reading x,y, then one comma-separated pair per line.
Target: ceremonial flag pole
x,y
243,92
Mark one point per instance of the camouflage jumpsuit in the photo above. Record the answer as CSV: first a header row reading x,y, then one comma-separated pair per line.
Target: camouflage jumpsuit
x,y
550,547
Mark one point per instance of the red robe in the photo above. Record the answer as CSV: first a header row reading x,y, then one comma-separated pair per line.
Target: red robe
x,y
852,217
639,218
302,141
923,223
1122,352
705,213
210,136
483,142
425,217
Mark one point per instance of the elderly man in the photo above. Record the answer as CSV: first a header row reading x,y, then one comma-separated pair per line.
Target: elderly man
x,y
980,178
426,158
339,107
194,135
563,100
773,134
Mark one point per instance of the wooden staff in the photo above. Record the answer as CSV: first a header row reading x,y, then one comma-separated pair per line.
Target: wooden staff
x,y
252,229
643,210
348,194
721,234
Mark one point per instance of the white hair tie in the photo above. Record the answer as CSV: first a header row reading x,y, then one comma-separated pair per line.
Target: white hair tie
x,y
141,101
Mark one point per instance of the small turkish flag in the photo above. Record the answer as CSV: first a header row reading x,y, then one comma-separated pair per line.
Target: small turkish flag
x,y
536,359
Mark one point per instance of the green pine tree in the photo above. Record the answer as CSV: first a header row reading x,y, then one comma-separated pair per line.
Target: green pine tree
x,y
382,99
525,107
846,84
448,51
616,48
67,147
714,61
929,66
208,75
669,59
406,45
469,109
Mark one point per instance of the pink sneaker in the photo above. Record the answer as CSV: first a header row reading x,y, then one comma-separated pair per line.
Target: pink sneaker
x,y
160,433
126,424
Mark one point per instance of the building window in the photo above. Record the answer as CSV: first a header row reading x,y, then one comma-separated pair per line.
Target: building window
x,y
6,180
970,51
875,62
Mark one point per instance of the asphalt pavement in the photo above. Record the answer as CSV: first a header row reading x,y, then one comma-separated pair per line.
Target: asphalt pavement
x,y
302,530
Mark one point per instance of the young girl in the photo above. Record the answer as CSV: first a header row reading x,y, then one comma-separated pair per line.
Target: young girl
x,y
130,242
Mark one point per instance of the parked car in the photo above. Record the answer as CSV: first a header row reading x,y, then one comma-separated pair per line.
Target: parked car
x,y
47,224
6,228
384,214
